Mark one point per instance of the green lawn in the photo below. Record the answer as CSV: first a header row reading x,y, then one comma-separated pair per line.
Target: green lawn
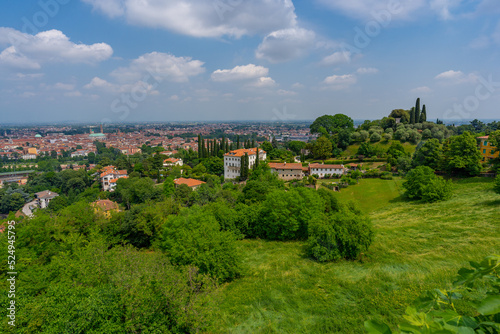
x,y
417,247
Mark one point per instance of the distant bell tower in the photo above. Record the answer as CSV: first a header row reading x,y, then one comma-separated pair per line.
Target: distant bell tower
x,y
101,129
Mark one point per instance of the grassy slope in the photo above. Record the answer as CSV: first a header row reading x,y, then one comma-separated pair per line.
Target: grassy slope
x,y
417,247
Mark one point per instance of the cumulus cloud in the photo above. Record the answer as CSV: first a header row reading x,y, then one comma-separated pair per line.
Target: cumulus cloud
x,y
336,58
202,18
31,51
263,82
456,77
338,82
237,73
287,44
367,70
161,66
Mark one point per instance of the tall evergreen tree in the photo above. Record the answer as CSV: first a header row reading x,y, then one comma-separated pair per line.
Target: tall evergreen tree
x,y
412,115
199,146
253,142
257,159
244,167
423,115
238,142
417,111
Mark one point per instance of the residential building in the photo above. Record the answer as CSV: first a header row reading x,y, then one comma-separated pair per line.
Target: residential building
x,y
322,170
110,176
171,162
488,151
43,198
287,171
191,183
105,206
232,161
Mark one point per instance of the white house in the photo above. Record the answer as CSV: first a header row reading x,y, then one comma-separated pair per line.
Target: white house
x,y
171,162
110,176
232,161
321,170
43,198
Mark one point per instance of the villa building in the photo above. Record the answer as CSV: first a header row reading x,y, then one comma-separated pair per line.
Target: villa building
x,y
232,161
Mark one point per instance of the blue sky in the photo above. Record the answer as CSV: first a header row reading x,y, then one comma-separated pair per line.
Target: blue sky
x,y
193,60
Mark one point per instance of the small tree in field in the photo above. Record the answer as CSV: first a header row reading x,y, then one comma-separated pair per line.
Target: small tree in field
x,y
421,183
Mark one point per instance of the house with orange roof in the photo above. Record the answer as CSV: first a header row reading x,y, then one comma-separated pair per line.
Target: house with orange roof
x,y
321,170
232,161
287,171
110,176
191,183
105,206
171,162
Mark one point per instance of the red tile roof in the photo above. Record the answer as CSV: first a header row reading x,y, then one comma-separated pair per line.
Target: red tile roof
x,y
274,165
188,182
241,152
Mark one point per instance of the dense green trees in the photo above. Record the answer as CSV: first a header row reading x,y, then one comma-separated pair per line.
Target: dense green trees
x,y
322,148
461,155
428,153
422,184
496,186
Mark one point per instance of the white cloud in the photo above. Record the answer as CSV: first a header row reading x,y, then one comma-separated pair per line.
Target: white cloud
x,y
201,18
161,66
421,90
31,51
385,11
264,82
297,85
336,58
63,86
174,98
367,70
97,82
244,72
286,92
287,44
456,77
338,82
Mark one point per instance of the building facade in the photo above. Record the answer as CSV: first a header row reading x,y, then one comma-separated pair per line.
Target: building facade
x,y
287,171
488,151
232,161
322,170
110,176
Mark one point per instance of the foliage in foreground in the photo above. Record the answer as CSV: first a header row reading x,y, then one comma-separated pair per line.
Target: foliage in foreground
x,y
438,312
496,187
422,184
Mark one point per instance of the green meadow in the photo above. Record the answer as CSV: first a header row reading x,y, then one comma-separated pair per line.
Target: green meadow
x,y
352,150
417,247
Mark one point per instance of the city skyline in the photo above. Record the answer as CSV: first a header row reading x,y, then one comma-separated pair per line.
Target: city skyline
x,y
268,60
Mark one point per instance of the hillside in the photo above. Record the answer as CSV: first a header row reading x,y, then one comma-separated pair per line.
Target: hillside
x,y
417,247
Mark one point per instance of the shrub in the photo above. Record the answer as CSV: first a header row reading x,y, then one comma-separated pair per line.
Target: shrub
x,y
194,238
496,187
386,176
375,137
421,183
343,235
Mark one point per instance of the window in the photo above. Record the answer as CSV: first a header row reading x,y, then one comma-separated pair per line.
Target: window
x,y
485,143
484,151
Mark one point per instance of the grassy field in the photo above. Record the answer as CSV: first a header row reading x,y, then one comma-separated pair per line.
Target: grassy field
x,y
353,149
417,247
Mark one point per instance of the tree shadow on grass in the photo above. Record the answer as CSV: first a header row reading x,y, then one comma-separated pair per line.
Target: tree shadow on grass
x,y
495,202
400,199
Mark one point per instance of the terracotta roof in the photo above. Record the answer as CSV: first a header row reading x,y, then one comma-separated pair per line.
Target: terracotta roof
x,y
46,194
241,152
326,166
106,205
188,182
274,165
171,160
483,137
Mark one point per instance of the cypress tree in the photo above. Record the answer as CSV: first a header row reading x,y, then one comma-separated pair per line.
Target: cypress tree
x,y
423,115
412,115
238,142
253,143
417,111
199,146
257,159
244,167
227,146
